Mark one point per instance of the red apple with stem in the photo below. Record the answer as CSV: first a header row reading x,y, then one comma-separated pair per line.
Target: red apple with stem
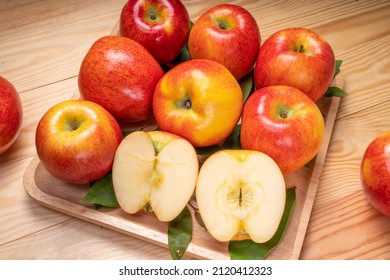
x,y
76,141
284,123
296,57
375,173
228,34
11,114
120,74
161,26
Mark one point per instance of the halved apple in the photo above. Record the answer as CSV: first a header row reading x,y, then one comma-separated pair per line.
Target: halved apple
x,y
241,194
155,171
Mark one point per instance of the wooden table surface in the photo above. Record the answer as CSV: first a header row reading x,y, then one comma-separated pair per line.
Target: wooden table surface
x,y
42,44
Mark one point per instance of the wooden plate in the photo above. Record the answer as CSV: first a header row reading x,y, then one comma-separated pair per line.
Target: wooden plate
x,y
55,194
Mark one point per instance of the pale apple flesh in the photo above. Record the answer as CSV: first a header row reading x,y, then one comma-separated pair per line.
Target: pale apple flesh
x,y
155,171
241,193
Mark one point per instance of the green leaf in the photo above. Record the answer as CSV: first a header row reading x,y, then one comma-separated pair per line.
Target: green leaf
x,y
102,193
233,140
180,234
249,250
335,91
338,65
246,84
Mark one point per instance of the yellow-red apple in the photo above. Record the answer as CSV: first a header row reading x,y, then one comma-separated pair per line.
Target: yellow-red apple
x,y
375,173
120,74
296,57
11,114
228,34
241,194
154,171
76,141
199,100
284,123
161,26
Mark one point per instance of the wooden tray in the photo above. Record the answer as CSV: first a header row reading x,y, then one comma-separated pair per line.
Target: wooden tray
x,y
55,194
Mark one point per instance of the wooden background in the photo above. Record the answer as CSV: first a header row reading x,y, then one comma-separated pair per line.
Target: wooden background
x,y
42,44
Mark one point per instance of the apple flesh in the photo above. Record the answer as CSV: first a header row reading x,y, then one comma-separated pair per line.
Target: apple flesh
x,y
199,100
296,57
11,114
241,194
156,172
76,141
120,75
284,123
228,34
161,26
375,173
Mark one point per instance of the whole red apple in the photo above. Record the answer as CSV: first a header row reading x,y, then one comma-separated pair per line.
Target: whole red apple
x,y
11,114
199,100
120,75
284,123
375,173
76,141
296,57
161,26
227,34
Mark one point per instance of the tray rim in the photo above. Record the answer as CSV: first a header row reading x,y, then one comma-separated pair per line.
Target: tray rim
x,y
158,238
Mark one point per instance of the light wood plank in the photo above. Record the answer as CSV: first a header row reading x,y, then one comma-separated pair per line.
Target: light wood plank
x,y
342,220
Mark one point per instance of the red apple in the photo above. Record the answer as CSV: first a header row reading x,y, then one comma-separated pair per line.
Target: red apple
x,y
120,75
296,57
161,26
76,141
375,173
199,100
284,123
227,34
11,114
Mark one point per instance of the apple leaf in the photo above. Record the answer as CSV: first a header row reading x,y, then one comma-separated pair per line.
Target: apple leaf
x,y
249,250
180,234
335,91
233,140
102,193
338,65
246,84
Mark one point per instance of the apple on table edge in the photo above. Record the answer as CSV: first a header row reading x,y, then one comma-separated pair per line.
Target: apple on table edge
x,y
11,114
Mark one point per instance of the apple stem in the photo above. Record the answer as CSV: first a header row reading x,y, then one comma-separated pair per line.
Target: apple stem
x,y
152,16
283,115
222,25
187,104
300,48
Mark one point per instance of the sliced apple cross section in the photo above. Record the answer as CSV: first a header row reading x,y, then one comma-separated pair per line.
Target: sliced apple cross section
x,y
155,171
241,194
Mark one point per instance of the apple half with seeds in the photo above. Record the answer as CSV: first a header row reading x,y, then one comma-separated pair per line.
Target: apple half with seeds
x,y
241,194
154,171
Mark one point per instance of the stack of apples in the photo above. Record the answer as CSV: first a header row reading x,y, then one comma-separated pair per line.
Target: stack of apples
x,y
130,79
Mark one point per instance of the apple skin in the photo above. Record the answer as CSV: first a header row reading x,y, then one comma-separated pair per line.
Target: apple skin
x,y
227,34
161,26
284,123
375,173
76,141
11,114
199,100
120,75
296,57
